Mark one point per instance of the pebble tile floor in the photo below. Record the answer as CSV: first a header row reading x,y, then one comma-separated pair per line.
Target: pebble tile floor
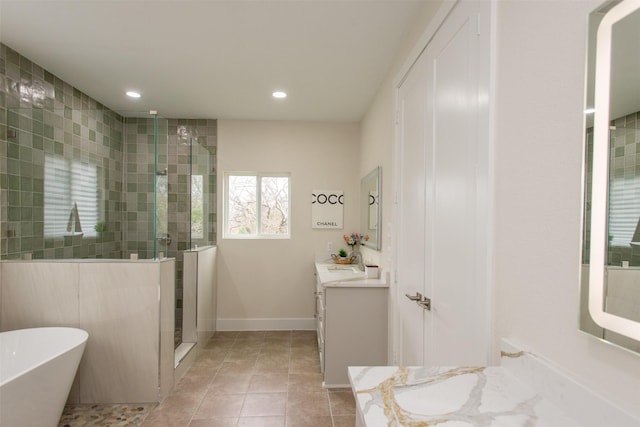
x,y
243,379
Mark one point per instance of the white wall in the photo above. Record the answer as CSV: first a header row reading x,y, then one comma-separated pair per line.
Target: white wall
x,y
538,148
540,53
269,284
377,128
538,144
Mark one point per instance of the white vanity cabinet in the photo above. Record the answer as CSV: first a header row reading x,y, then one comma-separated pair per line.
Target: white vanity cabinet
x,y
351,321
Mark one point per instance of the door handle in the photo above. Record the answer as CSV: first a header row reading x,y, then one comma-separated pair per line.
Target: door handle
x,y
417,297
425,303
421,300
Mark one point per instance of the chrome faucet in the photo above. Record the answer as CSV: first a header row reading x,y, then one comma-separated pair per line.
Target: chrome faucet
x,y
358,258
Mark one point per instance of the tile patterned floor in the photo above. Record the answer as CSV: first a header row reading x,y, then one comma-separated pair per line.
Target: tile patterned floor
x,y
248,379
105,415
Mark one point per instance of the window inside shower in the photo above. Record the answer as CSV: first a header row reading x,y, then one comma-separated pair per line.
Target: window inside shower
x,y
71,197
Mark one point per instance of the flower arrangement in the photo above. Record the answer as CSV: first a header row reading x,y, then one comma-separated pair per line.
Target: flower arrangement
x,y
355,239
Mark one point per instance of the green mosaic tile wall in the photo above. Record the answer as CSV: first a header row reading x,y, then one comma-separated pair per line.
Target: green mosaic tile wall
x,y
39,115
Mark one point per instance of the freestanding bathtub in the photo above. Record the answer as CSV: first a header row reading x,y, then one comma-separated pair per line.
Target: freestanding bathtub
x,y
37,367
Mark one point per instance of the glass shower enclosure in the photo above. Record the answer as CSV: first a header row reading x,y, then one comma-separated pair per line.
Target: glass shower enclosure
x,y
92,183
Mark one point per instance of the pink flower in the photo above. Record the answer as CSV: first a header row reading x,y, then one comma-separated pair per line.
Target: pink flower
x,y
355,239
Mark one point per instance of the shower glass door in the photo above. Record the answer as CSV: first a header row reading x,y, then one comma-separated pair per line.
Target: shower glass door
x,y
161,189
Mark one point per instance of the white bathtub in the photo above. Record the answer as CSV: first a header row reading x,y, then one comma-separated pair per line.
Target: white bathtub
x,y
37,367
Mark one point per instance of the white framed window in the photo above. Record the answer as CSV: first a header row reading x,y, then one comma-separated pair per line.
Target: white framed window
x,y
257,205
69,184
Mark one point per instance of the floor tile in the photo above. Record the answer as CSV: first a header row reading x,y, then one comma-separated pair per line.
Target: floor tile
x,y
264,404
268,365
344,420
196,378
214,422
220,406
342,403
307,366
237,367
230,383
210,358
262,383
261,422
162,421
308,404
219,345
251,334
225,334
178,405
248,343
305,382
307,352
304,334
277,338
242,353
275,349
248,379
309,421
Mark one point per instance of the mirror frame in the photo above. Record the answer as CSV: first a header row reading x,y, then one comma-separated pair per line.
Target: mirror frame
x,y
375,174
600,177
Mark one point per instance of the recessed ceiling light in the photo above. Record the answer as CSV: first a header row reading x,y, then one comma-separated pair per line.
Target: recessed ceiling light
x,y
133,94
279,94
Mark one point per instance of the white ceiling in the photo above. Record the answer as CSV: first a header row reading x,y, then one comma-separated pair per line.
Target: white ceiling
x,y
216,58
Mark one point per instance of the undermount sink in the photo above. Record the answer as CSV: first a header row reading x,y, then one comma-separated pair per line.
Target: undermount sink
x,y
342,269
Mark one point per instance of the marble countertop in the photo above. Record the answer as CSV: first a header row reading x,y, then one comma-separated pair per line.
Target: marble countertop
x,y
347,276
449,397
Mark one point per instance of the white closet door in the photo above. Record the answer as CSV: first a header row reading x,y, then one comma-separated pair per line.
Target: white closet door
x,y
442,161
411,197
456,323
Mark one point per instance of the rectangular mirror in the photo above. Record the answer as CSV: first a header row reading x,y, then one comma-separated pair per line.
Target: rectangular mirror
x,y
610,277
370,223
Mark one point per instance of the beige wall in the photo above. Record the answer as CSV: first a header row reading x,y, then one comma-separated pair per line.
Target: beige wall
x,y
273,279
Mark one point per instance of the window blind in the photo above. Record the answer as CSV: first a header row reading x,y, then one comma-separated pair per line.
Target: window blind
x,y
68,183
624,209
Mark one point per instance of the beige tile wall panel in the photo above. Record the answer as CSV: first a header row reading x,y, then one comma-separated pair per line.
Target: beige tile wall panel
x,y
119,307
36,294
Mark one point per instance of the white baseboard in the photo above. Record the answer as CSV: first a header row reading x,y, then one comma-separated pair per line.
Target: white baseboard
x,y
288,324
